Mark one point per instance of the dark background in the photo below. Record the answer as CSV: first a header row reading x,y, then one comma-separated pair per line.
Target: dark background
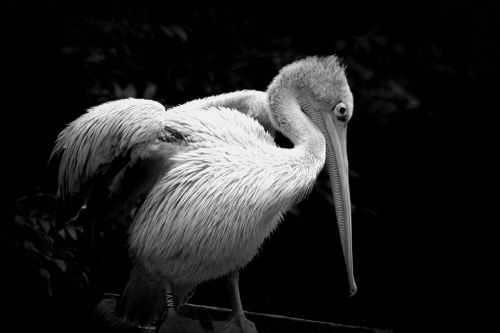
x,y
420,145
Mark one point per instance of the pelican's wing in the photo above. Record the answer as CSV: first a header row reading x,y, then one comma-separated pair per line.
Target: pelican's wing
x,y
112,155
253,103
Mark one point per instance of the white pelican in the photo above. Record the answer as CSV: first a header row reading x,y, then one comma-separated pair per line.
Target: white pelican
x,y
211,181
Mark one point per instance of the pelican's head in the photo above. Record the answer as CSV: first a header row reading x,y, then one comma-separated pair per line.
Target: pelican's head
x,y
318,87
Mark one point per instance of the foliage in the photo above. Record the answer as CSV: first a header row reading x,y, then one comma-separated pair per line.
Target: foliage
x,y
135,58
166,62
381,87
52,253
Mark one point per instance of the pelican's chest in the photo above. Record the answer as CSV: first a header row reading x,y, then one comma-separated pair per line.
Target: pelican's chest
x,y
210,214
223,196
203,233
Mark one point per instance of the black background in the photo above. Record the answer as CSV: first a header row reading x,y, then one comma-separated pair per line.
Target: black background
x,y
420,144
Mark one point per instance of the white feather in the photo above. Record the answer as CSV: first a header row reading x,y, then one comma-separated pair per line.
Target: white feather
x,y
226,193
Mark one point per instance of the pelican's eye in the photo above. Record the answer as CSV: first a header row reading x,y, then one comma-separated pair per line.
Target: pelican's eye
x,y
340,111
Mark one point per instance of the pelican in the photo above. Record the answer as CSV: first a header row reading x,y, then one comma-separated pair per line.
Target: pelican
x,y
211,182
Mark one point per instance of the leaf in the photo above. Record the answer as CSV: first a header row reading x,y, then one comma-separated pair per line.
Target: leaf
x,y
85,277
175,31
78,228
46,275
61,264
62,233
150,90
20,220
95,57
66,253
128,91
180,32
43,272
71,232
45,225
166,31
29,246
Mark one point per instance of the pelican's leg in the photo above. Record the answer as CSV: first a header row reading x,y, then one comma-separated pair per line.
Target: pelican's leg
x,y
234,293
173,321
237,317
169,306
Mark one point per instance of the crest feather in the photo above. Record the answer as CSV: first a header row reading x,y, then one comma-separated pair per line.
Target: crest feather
x,y
320,75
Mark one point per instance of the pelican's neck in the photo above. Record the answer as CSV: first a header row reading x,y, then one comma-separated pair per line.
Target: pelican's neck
x,y
292,122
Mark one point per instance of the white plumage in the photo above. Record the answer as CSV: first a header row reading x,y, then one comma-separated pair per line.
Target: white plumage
x,y
213,182
232,169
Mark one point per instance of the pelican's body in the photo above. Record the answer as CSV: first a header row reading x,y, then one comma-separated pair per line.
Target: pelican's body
x,y
224,193
213,182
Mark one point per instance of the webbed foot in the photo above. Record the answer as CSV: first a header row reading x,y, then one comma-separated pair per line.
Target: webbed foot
x,y
239,324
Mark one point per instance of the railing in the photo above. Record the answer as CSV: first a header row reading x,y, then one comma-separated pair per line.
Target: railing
x,y
211,318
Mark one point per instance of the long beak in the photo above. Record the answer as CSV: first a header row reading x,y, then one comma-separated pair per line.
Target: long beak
x,y
338,169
